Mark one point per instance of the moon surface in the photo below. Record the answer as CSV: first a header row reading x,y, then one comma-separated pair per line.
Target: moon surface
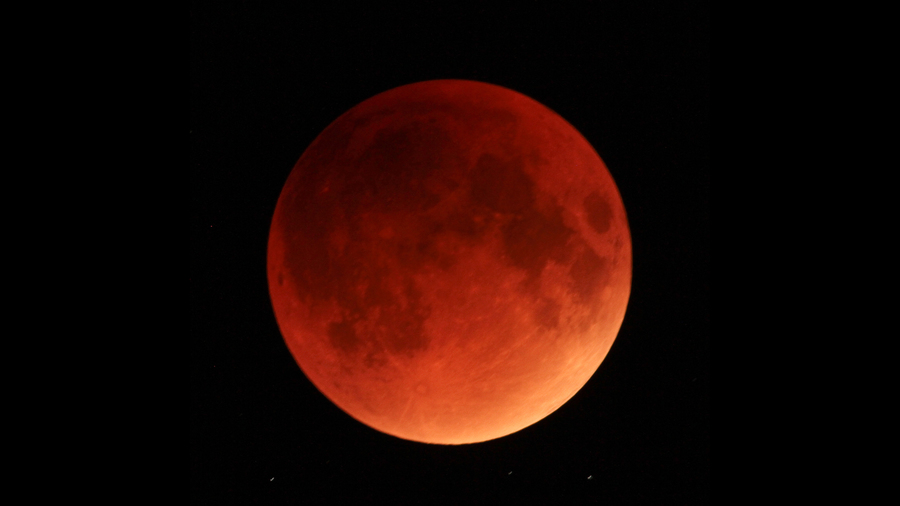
x,y
449,262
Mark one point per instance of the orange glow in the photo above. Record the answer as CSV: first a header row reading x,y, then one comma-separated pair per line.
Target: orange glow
x,y
449,262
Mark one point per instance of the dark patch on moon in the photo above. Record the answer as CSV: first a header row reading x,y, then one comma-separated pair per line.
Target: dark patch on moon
x,y
502,186
375,358
380,317
534,234
533,238
468,225
400,320
427,251
394,167
588,274
547,313
599,213
343,336
405,171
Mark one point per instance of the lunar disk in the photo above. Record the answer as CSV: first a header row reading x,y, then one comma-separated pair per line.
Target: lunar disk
x,y
449,262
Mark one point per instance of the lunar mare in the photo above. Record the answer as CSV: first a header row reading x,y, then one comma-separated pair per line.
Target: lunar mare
x,y
449,262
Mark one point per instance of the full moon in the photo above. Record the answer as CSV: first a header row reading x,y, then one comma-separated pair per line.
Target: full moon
x,y
449,262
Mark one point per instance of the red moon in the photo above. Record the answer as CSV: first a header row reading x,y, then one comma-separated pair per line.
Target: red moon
x,y
449,262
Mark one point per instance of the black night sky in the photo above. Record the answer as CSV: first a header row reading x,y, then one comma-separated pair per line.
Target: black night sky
x,y
267,78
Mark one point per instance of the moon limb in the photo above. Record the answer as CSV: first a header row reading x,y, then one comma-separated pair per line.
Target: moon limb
x,y
449,262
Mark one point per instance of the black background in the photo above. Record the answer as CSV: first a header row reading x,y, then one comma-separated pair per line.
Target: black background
x,y
266,78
